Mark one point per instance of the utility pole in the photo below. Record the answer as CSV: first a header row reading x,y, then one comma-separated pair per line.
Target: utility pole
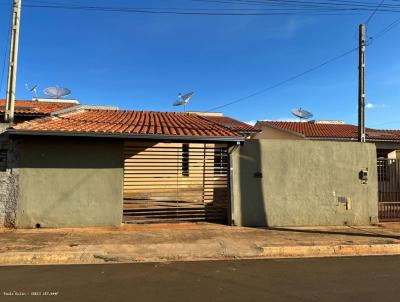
x,y
12,65
361,83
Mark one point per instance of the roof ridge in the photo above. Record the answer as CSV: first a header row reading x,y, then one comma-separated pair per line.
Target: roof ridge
x,y
216,124
130,123
40,102
42,120
329,131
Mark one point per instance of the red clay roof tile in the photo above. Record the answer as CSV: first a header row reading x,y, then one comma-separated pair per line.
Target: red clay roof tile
x,y
232,124
130,122
35,108
331,131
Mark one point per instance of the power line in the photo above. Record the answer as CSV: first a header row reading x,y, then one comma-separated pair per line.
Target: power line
x,y
373,13
286,81
5,50
298,7
385,30
146,11
299,3
69,5
283,7
180,12
261,91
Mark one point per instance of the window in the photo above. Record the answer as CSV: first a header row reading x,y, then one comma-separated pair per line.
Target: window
x,y
185,159
219,161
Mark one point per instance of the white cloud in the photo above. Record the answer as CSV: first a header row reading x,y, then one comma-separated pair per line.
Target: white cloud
x,y
285,30
252,122
267,28
373,106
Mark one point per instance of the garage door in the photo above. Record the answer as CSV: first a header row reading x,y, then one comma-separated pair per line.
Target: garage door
x,y
175,182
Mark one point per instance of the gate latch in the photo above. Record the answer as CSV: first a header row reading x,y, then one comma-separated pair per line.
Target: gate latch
x,y
363,175
257,175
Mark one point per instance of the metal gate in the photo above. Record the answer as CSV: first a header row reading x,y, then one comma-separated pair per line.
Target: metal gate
x,y
166,182
389,189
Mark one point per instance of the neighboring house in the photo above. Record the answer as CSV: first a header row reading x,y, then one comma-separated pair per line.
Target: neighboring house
x,y
28,110
235,125
386,141
25,111
76,168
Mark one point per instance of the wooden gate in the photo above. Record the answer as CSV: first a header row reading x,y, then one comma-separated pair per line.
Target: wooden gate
x,y
175,182
389,189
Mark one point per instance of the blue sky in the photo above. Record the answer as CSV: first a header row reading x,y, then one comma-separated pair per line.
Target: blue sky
x,y
141,62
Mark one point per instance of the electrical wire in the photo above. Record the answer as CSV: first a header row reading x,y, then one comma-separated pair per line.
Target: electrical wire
x,y
299,7
373,13
124,10
298,3
292,78
5,50
261,91
281,7
385,30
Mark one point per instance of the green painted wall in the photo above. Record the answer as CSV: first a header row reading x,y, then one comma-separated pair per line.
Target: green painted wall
x,y
69,182
303,183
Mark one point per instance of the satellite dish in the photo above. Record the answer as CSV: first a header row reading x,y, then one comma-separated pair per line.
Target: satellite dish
x,y
57,92
302,114
32,89
183,100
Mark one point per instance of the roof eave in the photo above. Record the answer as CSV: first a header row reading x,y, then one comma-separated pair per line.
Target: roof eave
x,y
30,114
281,129
330,138
353,139
126,135
247,132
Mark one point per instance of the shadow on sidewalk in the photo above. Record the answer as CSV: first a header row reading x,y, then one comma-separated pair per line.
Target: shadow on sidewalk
x,y
356,232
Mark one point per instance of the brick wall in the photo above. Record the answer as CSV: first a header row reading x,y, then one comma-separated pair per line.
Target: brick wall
x,y
8,181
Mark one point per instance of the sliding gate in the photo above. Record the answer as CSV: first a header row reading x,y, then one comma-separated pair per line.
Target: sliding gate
x,y
389,189
175,182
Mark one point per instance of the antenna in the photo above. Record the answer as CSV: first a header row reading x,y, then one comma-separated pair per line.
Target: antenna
x,y
302,114
183,100
57,92
32,89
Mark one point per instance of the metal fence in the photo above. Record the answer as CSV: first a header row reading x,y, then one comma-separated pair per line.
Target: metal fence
x,y
389,189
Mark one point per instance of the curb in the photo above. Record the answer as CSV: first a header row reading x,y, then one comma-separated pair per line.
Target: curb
x,y
331,251
271,252
43,258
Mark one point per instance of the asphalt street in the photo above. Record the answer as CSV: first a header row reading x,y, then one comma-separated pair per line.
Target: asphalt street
x,y
329,279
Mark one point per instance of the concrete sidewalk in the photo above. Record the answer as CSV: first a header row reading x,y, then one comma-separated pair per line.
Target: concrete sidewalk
x,y
189,242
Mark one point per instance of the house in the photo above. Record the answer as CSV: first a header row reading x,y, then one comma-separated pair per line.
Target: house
x,y
24,111
27,110
83,166
386,141
90,167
